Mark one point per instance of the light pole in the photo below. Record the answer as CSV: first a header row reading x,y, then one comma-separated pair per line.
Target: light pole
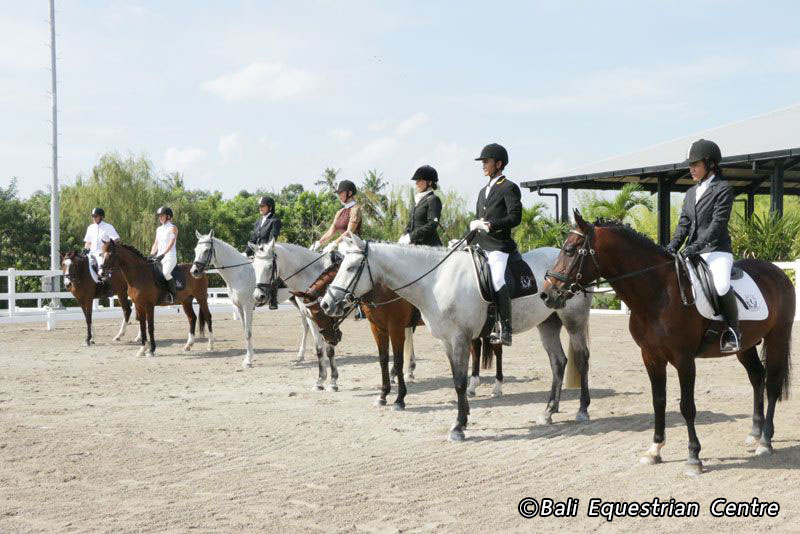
x,y
55,234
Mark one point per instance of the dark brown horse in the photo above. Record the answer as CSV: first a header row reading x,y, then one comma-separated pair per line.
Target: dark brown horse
x,y
78,281
667,331
390,318
146,292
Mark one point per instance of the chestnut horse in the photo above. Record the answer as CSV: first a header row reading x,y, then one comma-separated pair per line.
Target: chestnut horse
x,y
668,331
78,281
391,322
145,291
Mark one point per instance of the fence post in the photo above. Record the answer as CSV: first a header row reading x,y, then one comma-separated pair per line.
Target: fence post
x,y
51,320
12,291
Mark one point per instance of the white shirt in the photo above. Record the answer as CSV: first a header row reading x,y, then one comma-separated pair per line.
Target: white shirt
x,y
349,204
163,236
701,188
97,234
491,183
264,219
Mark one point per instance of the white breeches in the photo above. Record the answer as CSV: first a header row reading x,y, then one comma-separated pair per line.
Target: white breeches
x,y
167,264
91,268
720,264
497,265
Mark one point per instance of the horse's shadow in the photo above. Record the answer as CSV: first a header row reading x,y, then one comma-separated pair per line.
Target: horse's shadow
x,y
202,353
639,422
525,398
350,359
784,458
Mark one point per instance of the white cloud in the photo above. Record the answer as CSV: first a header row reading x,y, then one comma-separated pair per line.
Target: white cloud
x,y
379,125
268,143
372,152
178,160
230,145
342,135
414,121
273,81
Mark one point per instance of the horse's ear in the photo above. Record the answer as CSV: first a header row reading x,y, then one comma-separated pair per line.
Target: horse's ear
x,y
582,224
211,234
252,246
271,245
198,234
357,241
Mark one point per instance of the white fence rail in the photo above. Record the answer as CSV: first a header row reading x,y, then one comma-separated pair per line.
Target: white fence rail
x,y
218,297
217,300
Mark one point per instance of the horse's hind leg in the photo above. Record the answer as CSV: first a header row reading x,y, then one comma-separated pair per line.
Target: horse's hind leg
x,y
579,352
397,337
475,378
498,362
686,376
126,315
203,302
777,359
86,306
410,359
549,331
755,372
382,342
189,311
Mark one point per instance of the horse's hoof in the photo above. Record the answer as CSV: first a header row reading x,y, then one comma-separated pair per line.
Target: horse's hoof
x,y
409,379
140,352
456,435
116,338
247,365
751,440
694,469
317,387
582,417
210,347
87,343
332,387
151,354
544,419
649,459
470,393
399,406
764,450
379,402
187,348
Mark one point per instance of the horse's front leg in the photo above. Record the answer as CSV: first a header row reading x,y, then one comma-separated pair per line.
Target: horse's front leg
x,y
475,378
397,335
550,332
151,327
409,358
686,376
330,351
246,314
498,362
301,352
382,343
126,315
579,353
458,351
319,347
141,315
86,306
657,371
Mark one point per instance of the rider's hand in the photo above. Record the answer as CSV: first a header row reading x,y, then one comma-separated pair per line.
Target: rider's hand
x,y
314,247
159,257
85,252
405,239
692,249
479,224
329,247
671,248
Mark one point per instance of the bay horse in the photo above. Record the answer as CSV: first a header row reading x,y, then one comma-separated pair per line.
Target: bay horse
x,y
78,281
393,318
145,291
644,276
449,299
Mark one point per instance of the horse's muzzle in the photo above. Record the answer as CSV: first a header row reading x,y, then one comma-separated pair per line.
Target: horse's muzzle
x,y
195,272
554,298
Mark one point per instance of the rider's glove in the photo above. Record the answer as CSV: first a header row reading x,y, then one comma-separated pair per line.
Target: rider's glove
x,y
85,252
672,248
314,247
479,224
405,239
692,249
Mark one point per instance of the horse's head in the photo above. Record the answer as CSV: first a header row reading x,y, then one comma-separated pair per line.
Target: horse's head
x,y
575,266
266,268
203,254
328,327
349,284
70,263
108,259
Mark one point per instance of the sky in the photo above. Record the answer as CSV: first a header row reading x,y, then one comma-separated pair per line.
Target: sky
x,y
256,95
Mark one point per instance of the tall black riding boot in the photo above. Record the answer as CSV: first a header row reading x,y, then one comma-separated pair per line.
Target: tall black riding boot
x,y
730,339
173,291
504,310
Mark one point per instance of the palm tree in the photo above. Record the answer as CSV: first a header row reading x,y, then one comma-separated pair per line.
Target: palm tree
x,y
328,181
619,208
374,199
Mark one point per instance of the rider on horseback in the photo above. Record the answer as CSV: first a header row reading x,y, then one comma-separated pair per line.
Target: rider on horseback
x,y
704,226
267,227
498,210
424,220
164,248
347,219
97,233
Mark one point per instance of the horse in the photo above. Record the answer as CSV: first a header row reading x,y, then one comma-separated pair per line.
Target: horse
x,y
669,330
392,318
146,293
78,281
449,299
297,267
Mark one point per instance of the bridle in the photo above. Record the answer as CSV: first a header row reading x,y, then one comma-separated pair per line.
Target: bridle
x,y
274,278
587,250
348,294
209,257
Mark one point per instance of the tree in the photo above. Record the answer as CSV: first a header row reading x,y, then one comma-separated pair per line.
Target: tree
x,y
328,181
619,208
537,229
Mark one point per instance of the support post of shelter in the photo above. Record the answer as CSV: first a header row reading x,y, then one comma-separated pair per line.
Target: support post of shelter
x,y
663,210
565,204
750,206
776,189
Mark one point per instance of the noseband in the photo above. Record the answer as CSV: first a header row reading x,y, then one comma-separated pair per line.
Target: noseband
x,y
347,293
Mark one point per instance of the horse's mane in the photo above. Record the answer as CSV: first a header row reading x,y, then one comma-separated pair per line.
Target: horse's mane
x,y
629,233
134,250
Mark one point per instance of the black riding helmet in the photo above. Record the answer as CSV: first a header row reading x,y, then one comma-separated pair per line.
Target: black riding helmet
x,y
426,172
267,201
346,186
99,211
495,152
165,210
702,150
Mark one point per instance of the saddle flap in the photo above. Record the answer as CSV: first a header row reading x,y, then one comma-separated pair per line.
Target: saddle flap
x,y
178,274
518,276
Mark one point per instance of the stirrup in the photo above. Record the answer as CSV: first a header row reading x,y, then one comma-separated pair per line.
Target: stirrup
x,y
729,341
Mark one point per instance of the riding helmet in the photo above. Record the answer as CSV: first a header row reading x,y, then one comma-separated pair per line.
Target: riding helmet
x,y
267,201
426,172
495,152
165,210
345,186
703,149
99,211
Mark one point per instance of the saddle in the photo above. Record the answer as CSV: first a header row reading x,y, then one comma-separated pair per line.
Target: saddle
x,y
518,276
178,274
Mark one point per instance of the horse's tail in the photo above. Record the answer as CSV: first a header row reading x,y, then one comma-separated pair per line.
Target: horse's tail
x,y
572,378
487,353
784,378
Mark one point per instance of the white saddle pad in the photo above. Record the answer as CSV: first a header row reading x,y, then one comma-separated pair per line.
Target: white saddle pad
x,y
746,288
92,272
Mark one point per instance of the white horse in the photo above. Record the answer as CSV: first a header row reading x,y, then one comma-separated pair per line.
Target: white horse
x,y
451,306
298,267
238,273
